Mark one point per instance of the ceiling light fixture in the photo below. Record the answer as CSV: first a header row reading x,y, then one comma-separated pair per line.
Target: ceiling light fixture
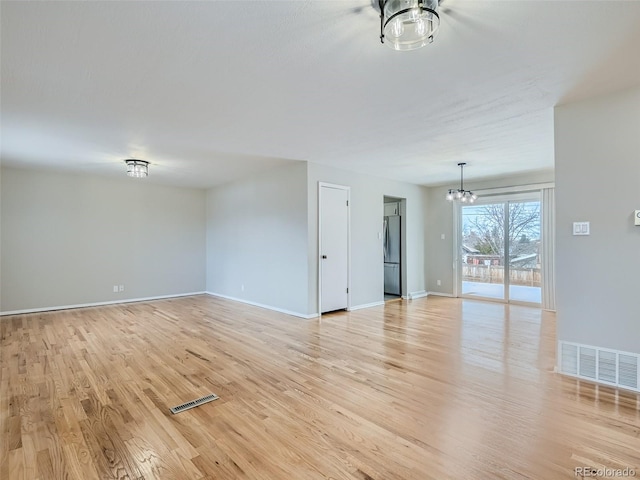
x,y
461,194
137,168
408,24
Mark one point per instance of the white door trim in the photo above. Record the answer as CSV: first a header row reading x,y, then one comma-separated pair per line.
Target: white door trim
x,y
319,252
515,189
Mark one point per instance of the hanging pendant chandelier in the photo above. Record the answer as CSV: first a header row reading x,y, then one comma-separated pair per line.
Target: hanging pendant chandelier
x,y
462,195
408,24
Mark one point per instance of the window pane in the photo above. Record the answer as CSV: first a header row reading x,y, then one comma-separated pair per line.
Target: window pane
x,y
483,250
524,252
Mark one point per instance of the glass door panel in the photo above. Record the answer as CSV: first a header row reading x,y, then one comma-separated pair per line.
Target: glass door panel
x,y
524,243
483,250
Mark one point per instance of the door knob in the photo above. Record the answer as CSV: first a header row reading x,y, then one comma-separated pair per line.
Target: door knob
x,y
324,256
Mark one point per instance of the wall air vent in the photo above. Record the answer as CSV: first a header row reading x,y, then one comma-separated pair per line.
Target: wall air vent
x,y
628,371
606,366
601,365
587,362
569,359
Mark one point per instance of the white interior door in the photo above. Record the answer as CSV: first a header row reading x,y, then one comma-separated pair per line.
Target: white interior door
x,y
334,247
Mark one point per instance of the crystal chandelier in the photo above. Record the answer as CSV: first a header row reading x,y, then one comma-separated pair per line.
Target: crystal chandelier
x,y
461,194
408,24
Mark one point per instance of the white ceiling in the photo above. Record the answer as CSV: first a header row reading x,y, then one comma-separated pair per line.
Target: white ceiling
x,y
211,91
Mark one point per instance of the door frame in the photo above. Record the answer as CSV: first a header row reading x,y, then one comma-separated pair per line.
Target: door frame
x,y
322,185
402,212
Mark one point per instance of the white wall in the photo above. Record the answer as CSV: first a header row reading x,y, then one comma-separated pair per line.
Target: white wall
x,y
367,211
257,238
67,239
598,180
440,254
0,236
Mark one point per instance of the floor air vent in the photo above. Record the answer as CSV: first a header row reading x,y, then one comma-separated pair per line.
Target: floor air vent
x,y
611,367
194,403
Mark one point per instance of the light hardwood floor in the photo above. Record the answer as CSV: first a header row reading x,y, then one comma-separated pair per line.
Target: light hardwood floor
x,y
435,388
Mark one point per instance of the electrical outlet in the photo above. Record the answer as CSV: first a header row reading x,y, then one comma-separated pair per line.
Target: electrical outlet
x,y
115,289
121,288
242,288
442,236
439,282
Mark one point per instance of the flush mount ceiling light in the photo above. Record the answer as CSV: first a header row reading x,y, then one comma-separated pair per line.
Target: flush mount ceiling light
x,y
137,168
408,24
461,194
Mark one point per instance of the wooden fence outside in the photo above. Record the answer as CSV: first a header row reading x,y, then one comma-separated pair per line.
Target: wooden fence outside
x,y
531,277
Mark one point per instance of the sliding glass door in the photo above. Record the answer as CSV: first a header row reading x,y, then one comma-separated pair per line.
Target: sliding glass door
x,y
525,248
500,249
483,251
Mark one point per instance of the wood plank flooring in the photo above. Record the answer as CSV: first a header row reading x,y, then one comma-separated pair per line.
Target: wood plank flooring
x,y
435,388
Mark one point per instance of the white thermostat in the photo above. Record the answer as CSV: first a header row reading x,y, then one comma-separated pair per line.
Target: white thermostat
x,y
636,217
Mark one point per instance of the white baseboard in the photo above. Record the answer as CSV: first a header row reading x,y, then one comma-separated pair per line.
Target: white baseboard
x,y
441,294
418,294
366,305
262,305
97,304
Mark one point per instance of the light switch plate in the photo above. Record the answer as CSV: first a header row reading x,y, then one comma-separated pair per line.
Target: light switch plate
x,y
636,216
581,228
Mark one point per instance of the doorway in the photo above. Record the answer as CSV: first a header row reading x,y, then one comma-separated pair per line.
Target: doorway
x,y
393,235
500,249
333,247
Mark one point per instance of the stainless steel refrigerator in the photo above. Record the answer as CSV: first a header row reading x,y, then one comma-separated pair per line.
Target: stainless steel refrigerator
x,y
391,229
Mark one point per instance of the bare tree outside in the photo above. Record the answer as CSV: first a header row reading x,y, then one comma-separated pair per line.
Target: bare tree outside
x,y
483,249
485,232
